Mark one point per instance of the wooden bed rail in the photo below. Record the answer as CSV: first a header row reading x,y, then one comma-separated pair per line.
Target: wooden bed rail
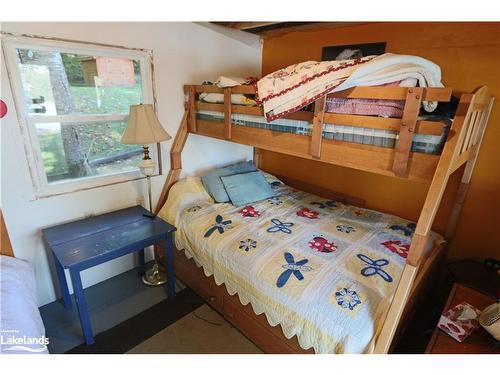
x,y
399,162
175,160
471,153
365,92
461,147
391,124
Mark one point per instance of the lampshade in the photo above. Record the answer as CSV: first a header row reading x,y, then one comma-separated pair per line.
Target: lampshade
x,y
143,126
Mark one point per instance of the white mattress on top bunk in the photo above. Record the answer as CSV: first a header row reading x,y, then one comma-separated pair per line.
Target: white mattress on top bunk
x,y
326,272
21,325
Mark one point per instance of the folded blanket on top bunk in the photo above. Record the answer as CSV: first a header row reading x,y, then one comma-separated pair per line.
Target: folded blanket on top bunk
x,y
223,82
289,89
324,271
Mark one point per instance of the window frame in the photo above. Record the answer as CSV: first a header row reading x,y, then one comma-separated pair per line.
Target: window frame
x,y
27,122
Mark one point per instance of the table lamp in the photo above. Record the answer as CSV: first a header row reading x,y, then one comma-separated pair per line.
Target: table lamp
x,y
144,128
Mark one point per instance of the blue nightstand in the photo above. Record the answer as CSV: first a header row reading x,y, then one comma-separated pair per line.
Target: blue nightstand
x,y
89,242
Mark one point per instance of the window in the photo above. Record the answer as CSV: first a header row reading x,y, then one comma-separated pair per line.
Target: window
x,y
73,101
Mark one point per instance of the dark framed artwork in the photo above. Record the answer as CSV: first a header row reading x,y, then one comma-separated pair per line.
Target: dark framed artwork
x,y
352,51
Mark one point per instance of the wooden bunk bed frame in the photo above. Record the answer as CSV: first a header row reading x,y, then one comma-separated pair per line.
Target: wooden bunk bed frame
x,y
461,148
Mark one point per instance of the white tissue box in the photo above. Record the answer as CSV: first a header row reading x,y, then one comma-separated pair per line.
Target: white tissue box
x,y
460,321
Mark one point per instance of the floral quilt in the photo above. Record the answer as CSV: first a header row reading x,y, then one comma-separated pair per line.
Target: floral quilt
x,y
291,88
325,271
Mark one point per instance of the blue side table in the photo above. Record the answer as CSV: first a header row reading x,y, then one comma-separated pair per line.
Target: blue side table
x,y
89,242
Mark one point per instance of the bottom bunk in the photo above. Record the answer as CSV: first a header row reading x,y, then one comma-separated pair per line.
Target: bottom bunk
x,y
256,328
323,271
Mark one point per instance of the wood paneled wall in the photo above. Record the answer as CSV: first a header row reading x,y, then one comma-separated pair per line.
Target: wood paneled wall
x,y
469,56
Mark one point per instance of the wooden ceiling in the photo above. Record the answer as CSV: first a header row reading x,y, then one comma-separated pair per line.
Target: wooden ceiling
x,y
269,28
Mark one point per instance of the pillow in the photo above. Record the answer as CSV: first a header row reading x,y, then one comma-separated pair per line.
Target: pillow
x,y
247,188
213,183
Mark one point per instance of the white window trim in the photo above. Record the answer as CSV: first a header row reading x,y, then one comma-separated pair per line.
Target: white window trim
x,y
41,187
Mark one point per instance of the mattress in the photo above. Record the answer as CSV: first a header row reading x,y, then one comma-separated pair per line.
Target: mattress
x,y
423,143
21,325
324,271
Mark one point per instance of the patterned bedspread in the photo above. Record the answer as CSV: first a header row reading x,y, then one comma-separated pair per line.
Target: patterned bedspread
x,y
324,271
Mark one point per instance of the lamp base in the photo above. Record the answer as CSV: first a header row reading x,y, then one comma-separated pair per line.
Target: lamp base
x,y
154,277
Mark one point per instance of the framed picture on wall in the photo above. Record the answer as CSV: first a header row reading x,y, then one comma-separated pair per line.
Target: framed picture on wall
x,y
352,51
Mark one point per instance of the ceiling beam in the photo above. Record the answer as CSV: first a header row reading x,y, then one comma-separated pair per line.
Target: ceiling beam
x,y
272,29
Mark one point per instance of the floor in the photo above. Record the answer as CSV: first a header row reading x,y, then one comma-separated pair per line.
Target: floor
x,y
110,302
130,317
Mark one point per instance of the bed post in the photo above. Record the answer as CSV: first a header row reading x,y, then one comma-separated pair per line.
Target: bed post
x,y
461,146
407,129
175,160
173,175
317,130
227,113
257,157
191,107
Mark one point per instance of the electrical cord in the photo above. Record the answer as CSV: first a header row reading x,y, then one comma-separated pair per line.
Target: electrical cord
x,y
207,320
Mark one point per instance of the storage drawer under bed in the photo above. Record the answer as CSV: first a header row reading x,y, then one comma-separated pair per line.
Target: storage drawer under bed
x,y
256,328
195,278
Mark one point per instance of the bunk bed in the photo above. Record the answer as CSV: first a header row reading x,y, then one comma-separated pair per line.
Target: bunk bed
x,y
402,158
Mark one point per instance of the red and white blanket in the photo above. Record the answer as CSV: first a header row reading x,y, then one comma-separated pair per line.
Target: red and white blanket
x,y
289,89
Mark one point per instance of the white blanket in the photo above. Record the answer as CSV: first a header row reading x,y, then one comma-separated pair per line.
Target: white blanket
x,y
21,325
224,82
390,67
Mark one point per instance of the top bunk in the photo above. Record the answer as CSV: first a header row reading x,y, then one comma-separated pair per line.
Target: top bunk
x,y
305,133
374,124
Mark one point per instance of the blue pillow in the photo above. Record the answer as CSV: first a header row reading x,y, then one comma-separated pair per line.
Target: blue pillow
x,y
247,188
213,183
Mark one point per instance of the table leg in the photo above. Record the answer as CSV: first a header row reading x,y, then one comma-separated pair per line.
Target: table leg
x,y
63,284
81,303
142,267
169,265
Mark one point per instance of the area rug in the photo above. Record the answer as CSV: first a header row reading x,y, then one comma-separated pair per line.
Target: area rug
x,y
202,331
